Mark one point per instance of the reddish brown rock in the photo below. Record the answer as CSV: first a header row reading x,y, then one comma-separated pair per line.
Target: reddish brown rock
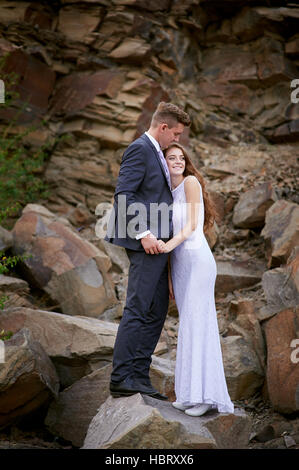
x,y
61,261
39,15
157,94
235,97
76,91
77,22
13,11
292,47
282,361
28,12
35,83
288,132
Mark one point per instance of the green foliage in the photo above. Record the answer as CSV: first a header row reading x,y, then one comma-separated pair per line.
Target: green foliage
x,y
4,335
21,166
7,262
19,170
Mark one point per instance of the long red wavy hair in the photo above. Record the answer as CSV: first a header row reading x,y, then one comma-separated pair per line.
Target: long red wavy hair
x,y
210,212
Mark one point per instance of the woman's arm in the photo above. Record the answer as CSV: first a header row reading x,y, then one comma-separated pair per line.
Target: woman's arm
x,y
192,192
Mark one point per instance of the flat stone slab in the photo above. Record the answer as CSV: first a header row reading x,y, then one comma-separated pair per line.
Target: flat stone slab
x,y
142,422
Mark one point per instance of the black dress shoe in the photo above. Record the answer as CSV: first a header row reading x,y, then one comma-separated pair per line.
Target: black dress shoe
x,y
129,387
157,395
148,389
125,388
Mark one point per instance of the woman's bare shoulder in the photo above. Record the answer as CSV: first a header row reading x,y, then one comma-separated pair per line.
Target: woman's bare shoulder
x,y
191,181
192,188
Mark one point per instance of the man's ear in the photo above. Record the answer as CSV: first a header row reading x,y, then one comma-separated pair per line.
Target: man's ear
x,y
164,126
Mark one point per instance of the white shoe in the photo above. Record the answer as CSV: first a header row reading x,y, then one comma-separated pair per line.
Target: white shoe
x,y
198,410
180,406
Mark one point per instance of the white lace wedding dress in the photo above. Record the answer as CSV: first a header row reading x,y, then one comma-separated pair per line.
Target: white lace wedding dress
x,y
199,374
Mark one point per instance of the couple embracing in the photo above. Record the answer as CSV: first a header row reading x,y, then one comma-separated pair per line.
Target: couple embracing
x,y
178,264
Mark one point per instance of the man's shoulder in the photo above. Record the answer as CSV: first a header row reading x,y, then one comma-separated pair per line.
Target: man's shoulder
x,y
141,141
140,146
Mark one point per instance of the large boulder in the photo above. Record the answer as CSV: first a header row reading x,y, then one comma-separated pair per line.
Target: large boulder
x,y
281,231
243,371
77,345
245,322
281,287
61,261
5,239
28,378
13,284
14,291
250,210
282,333
71,413
141,422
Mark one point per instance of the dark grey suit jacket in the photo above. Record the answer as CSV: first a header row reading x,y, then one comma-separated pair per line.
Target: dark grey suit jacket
x,y
142,199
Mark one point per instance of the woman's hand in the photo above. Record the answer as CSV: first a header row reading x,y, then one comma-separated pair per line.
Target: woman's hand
x,y
165,247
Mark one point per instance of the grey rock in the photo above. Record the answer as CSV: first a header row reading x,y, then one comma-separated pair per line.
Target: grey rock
x,y
77,345
5,239
236,274
70,414
142,422
243,371
250,210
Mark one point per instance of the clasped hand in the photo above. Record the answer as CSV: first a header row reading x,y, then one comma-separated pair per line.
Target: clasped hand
x,y
153,246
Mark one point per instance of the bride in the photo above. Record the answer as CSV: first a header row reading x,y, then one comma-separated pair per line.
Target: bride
x,y
200,382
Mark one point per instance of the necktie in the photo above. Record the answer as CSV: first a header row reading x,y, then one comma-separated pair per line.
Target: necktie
x,y
163,161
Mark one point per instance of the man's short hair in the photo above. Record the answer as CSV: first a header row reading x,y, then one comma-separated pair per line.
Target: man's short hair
x,y
170,114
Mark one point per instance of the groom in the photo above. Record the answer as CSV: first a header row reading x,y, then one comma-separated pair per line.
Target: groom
x,y
143,180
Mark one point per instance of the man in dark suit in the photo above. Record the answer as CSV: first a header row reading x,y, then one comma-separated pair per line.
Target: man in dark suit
x,y
142,215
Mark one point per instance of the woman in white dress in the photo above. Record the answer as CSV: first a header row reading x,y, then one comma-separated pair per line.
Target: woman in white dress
x,y
200,382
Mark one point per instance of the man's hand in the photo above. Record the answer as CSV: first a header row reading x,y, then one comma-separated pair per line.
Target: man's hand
x,y
151,245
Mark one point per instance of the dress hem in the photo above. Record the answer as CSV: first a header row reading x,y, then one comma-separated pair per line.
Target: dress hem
x,y
222,408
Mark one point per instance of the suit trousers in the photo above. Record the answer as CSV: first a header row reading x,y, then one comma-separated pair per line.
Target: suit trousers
x,y
143,316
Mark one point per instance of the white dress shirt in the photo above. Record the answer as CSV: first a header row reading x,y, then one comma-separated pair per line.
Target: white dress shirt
x,y
158,148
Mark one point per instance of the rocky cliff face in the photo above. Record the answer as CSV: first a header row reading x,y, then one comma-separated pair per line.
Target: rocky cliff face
x,y
94,71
